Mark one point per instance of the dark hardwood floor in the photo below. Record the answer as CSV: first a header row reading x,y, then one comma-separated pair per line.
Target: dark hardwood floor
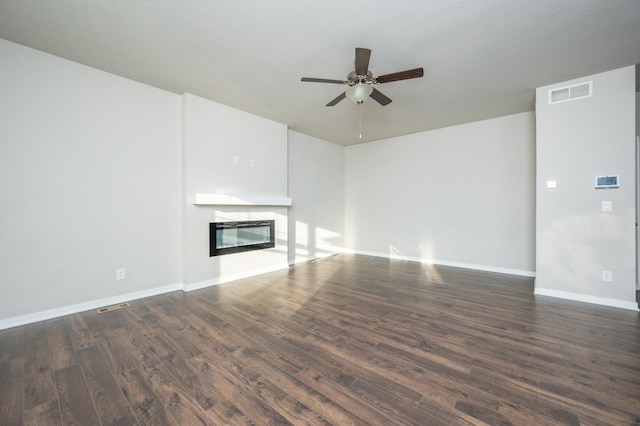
x,y
344,340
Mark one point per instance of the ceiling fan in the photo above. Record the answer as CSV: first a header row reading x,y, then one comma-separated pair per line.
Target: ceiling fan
x,y
361,81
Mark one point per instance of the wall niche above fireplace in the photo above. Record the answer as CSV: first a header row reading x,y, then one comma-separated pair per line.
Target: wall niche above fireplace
x,y
237,237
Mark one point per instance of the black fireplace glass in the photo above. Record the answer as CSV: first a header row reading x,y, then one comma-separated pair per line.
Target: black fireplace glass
x,y
236,237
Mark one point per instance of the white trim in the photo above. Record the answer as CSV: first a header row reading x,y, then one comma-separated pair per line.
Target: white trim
x,y
239,200
614,303
232,277
85,306
497,269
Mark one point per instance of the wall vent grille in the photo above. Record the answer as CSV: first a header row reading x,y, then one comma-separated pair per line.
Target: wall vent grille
x,y
571,93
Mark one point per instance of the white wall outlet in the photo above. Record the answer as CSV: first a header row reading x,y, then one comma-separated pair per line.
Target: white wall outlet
x,y
252,162
236,159
120,274
552,184
607,206
607,276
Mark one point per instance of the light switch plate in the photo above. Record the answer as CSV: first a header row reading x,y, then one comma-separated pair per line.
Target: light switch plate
x,y
607,206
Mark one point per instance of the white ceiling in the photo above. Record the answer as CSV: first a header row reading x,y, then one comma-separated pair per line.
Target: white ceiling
x,y
482,58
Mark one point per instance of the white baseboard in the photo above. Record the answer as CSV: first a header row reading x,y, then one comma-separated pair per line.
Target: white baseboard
x,y
86,306
108,301
614,303
497,269
95,304
232,277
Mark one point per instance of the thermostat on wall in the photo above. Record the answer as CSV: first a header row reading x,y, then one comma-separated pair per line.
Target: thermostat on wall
x,y
612,181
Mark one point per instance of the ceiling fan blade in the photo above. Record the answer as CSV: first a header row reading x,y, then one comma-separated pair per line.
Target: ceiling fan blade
x,y
402,75
321,80
379,97
340,97
362,60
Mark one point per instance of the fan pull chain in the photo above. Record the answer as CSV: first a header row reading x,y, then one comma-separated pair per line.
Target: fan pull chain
x,y
361,118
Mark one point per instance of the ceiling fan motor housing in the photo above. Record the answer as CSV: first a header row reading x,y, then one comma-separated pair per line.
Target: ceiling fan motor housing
x,y
353,78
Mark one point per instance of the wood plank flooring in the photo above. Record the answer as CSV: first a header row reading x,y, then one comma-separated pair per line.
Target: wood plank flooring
x,y
347,340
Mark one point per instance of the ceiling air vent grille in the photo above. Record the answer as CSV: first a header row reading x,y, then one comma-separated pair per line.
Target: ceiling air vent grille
x,y
571,93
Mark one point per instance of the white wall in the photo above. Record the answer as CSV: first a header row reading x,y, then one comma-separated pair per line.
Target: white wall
x,y
89,182
213,135
98,172
576,241
316,184
462,196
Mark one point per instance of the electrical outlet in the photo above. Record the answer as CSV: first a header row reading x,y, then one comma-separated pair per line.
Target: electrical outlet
x,y
607,276
120,274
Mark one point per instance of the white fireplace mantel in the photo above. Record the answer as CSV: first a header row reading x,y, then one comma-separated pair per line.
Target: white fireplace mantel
x,y
239,200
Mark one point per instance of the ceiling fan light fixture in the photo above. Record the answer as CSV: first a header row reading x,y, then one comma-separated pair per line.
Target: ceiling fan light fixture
x,y
359,92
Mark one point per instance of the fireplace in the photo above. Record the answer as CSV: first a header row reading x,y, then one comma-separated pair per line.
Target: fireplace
x,y
236,237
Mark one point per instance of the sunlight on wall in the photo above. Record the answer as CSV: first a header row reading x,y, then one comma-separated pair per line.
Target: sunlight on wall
x,y
325,240
315,242
427,252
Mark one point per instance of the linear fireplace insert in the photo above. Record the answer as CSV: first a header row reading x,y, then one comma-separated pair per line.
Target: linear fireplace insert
x,y
236,237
